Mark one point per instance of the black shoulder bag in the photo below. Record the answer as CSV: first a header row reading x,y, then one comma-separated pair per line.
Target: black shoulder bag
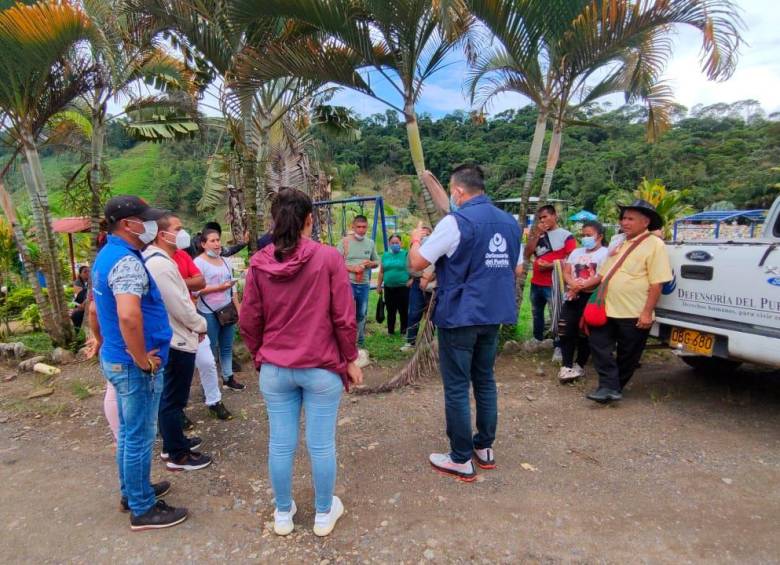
x,y
227,315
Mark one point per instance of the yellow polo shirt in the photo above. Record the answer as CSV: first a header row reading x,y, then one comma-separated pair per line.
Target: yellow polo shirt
x,y
628,288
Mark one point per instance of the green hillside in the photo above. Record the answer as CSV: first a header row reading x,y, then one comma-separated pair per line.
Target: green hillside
x,y
713,151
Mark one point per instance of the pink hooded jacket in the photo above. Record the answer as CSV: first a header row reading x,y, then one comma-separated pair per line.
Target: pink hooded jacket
x,y
300,313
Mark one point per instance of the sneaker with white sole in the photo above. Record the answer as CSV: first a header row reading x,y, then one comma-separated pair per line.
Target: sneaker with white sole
x,y
283,521
557,356
324,522
566,374
406,347
485,458
579,370
195,443
189,461
442,463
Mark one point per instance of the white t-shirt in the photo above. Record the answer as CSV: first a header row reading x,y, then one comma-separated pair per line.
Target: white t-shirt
x,y
445,240
585,263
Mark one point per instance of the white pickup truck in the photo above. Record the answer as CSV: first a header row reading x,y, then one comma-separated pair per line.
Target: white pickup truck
x,y
723,306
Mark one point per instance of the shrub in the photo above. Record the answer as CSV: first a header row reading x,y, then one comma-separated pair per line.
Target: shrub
x,y
32,316
17,300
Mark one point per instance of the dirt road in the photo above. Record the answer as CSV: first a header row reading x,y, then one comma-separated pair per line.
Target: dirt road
x,y
685,469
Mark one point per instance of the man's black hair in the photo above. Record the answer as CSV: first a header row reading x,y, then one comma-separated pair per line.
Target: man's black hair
x,y
470,177
360,218
549,208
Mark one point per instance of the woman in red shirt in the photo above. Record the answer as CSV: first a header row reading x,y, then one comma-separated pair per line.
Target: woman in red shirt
x,y
298,322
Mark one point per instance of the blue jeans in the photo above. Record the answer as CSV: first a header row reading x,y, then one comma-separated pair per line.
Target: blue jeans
x,y
540,297
466,357
284,391
138,400
221,339
360,294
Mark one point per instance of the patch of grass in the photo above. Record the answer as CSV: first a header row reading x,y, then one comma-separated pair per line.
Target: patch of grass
x,y
384,347
380,345
37,342
80,390
135,171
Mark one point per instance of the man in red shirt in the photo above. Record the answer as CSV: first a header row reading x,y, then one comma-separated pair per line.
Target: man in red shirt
x,y
204,358
547,243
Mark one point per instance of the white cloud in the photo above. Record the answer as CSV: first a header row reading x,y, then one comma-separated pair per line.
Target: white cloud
x,y
758,71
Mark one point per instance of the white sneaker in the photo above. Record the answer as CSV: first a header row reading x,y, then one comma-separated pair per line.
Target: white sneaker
x,y
407,347
557,355
324,522
566,374
580,371
283,521
442,463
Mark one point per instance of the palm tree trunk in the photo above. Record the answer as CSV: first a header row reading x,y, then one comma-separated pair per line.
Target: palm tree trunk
x,y
418,160
62,334
24,253
553,153
533,162
249,176
95,177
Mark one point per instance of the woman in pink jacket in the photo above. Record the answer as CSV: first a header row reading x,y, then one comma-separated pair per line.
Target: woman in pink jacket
x,y
298,322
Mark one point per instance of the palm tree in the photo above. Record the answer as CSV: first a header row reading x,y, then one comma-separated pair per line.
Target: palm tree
x,y
670,204
216,44
403,42
126,55
40,73
551,50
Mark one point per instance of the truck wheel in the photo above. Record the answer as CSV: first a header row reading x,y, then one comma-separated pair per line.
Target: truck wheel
x,y
710,364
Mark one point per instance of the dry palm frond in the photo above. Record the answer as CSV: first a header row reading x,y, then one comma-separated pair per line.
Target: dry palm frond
x,y
422,363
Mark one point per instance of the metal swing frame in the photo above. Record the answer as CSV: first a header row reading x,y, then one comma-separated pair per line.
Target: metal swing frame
x,y
379,216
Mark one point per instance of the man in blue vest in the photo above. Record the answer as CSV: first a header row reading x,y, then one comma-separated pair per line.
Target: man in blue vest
x,y
132,334
476,249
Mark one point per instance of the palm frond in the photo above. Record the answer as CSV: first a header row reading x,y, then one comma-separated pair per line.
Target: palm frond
x,y
215,185
36,77
161,119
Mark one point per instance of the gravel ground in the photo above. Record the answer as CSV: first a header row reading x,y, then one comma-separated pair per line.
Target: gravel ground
x,y
685,469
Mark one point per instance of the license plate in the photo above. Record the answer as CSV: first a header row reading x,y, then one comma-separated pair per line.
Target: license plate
x,y
692,341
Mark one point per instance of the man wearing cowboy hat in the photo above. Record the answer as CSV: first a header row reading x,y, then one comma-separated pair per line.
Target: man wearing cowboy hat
x,y
632,293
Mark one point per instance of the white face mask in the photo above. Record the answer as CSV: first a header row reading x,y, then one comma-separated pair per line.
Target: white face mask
x,y
150,231
181,239
211,253
360,237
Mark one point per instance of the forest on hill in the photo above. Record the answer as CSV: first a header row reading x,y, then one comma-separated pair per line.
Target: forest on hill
x,y
719,153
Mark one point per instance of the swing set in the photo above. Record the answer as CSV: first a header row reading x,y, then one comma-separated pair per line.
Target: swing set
x,y
357,205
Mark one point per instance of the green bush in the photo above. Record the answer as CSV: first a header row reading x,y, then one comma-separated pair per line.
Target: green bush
x,y
32,316
17,300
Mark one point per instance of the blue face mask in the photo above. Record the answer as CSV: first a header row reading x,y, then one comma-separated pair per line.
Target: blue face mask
x,y
395,247
588,242
453,205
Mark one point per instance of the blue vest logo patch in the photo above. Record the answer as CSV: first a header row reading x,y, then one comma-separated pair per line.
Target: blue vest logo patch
x,y
497,257
497,244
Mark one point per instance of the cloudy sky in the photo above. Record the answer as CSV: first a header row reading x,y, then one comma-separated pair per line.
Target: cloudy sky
x,y
757,75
